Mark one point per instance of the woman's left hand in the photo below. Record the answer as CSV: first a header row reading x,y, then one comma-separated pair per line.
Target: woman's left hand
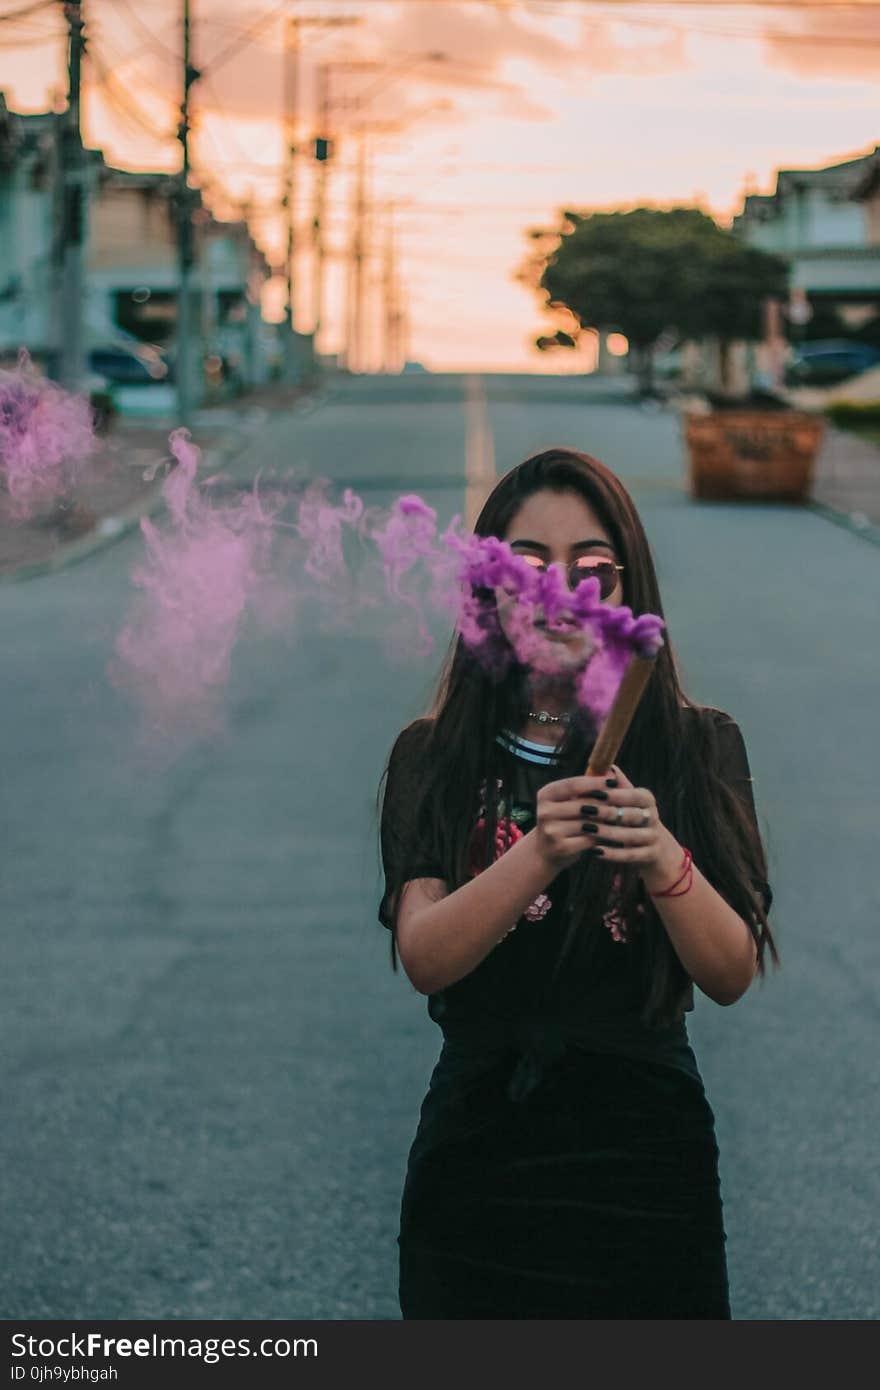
x,y
645,843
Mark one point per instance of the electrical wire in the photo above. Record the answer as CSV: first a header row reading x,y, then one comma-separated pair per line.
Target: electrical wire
x,y
27,10
608,10
121,99
152,39
37,41
237,149
245,38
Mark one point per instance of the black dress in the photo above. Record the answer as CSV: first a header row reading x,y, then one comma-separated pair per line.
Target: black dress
x,y
565,1163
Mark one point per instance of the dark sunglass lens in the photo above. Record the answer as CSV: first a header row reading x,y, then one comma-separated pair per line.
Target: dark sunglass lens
x,y
603,570
533,561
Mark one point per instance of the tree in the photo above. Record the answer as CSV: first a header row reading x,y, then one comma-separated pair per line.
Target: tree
x,y
646,271
548,342
737,280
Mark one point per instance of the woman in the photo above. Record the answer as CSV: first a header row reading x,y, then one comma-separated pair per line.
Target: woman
x,y
565,1162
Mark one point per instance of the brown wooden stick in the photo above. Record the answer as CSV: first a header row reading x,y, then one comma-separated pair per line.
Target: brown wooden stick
x,y
619,717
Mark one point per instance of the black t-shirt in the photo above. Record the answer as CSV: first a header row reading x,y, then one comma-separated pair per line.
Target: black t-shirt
x,y
505,999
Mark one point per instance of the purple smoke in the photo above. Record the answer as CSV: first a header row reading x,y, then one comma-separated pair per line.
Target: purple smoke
x,y
45,434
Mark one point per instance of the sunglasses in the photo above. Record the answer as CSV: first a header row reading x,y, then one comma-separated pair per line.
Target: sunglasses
x,y
585,567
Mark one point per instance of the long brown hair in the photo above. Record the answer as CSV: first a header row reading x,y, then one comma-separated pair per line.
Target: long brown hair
x,y
669,747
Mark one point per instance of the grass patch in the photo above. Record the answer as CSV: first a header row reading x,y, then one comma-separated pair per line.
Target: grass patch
x,y
863,420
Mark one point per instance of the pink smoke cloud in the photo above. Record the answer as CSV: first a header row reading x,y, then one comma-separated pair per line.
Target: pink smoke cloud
x,y
46,435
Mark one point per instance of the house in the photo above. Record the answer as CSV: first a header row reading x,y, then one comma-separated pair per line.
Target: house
x,y
132,272
27,153
867,192
131,259
827,222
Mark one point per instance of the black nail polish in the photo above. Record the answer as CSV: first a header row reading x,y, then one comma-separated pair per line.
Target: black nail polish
x,y
610,843
600,796
611,781
599,853
589,810
589,828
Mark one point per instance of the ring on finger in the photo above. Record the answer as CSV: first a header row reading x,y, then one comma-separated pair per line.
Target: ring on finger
x,y
620,815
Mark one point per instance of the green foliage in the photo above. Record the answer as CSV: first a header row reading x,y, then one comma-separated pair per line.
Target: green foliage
x,y
852,415
646,271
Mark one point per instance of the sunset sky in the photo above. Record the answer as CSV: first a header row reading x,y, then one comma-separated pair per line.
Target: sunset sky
x,y
535,106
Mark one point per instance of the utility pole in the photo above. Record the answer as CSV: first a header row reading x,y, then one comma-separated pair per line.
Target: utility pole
x,y
355,352
73,212
292,85
185,241
291,113
322,154
323,148
402,332
389,295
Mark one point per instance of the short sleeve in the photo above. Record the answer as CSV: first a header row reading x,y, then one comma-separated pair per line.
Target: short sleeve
x,y
734,770
397,808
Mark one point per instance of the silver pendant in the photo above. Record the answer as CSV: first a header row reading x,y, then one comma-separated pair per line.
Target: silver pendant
x,y
542,717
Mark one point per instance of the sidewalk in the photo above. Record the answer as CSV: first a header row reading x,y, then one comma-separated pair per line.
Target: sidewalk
x,y
111,501
846,485
847,481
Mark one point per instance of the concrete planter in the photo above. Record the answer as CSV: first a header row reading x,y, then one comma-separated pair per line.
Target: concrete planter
x,y
765,455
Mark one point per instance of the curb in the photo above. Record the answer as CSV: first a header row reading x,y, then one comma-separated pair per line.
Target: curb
x,y
849,521
110,529
105,533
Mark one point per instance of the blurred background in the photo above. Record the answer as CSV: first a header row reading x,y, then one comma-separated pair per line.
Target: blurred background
x,y
401,245
368,179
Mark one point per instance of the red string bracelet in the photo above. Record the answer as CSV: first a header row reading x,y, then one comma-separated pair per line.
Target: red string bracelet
x,y
686,872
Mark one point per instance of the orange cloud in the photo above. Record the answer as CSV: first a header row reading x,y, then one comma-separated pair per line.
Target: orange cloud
x,y
841,43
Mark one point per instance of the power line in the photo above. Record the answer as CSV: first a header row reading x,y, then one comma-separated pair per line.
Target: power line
x,y
224,115
121,99
686,26
36,41
793,5
27,10
245,38
144,29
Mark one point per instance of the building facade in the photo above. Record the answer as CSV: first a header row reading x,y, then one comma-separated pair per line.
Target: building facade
x,y
131,261
827,222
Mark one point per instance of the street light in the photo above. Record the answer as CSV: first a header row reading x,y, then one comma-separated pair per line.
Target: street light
x,y
296,25
325,105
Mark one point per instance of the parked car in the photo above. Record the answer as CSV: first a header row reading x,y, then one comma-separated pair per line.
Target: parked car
x,y
129,366
668,364
825,362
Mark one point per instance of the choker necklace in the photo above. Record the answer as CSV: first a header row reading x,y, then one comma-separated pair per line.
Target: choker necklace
x,y
542,717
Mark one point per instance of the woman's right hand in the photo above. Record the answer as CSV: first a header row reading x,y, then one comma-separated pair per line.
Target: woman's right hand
x,y
560,817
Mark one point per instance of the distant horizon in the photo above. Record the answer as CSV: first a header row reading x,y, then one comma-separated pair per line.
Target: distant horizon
x,y
527,113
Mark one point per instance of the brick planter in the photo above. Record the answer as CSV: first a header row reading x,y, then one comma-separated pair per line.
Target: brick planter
x,y
766,455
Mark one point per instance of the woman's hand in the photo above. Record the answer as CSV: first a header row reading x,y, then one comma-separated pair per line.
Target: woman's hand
x,y
650,847
577,814
559,818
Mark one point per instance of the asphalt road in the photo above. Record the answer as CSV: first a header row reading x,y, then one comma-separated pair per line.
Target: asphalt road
x,y
211,1076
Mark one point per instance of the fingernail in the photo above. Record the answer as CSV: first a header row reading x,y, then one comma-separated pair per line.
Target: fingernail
x,y
589,810
610,843
602,796
611,781
599,853
589,828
